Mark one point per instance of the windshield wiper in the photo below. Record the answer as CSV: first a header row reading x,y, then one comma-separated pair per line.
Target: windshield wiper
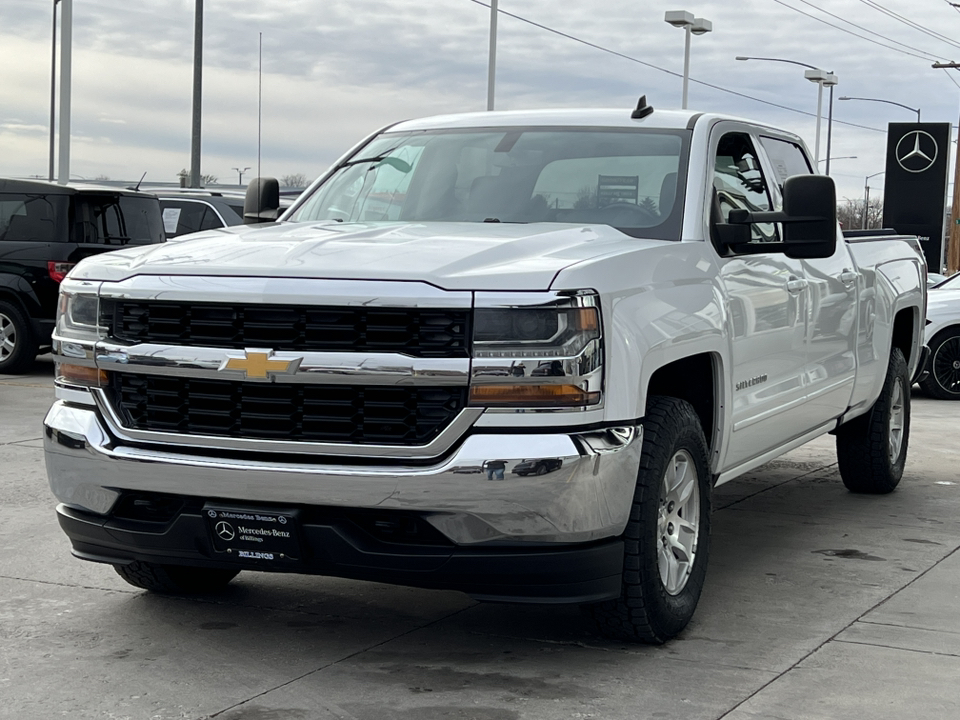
x,y
401,165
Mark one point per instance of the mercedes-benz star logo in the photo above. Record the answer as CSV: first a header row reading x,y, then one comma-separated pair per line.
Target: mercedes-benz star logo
x,y
916,151
225,530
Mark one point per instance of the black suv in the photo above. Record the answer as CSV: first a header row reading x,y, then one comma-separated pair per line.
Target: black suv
x,y
46,229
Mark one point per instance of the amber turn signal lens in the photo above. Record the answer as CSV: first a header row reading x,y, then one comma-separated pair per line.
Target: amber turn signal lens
x,y
81,375
532,396
588,319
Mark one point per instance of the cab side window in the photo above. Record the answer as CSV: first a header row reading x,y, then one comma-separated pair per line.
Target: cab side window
x,y
739,184
786,158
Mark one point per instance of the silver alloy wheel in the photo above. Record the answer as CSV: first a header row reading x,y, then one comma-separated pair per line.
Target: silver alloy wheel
x,y
678,525
8,337
897,417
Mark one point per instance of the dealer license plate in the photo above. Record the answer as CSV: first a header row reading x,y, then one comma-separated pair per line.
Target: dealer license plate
x,y
253,535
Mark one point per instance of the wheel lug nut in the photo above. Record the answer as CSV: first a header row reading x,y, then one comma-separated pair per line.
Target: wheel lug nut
x,y
670,528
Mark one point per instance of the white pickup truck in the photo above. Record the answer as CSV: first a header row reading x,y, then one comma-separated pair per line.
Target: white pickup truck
x,y
506,353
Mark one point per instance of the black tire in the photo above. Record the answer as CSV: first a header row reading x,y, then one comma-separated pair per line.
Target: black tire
x,y
175,579
870,458
943,382
646,610
18,346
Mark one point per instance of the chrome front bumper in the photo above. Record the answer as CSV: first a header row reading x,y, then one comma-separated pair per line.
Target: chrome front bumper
x,y
583,491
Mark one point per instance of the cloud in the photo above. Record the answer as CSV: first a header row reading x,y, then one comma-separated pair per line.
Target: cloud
x,y
338,69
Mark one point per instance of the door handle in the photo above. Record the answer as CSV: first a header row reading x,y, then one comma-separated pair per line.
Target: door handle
x,y
848,277
795,285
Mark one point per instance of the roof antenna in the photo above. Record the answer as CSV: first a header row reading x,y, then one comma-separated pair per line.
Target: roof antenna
x,y
140,181
642,109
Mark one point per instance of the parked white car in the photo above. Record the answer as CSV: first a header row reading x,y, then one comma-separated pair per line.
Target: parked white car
x,y
942,335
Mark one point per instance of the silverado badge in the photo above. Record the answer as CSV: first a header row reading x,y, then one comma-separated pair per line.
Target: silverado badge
x,y
260,364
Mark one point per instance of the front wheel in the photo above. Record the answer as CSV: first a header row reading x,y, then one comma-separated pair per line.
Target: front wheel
x,y
667,539
872,449
943,382
175,579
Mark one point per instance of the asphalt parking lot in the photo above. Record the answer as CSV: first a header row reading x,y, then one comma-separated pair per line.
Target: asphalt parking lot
x,y
818,604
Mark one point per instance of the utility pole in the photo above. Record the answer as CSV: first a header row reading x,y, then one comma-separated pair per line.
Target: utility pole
x,y
953,247
197,83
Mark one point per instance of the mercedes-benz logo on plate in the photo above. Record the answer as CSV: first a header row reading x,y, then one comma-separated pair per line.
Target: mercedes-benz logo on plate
x,y
225,530
917,151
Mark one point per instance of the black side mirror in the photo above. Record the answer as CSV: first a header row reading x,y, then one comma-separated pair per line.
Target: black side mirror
x,y
813,197
262,201
808,218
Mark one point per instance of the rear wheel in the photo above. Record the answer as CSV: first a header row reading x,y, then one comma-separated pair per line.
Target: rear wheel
x,y
175,579
943,382
18,347
667,538
872,449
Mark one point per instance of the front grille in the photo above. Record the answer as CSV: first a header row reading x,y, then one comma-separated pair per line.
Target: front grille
x,y
274,411
412,331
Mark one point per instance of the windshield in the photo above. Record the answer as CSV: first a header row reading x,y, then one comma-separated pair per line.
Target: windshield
x,y
625,178
952,282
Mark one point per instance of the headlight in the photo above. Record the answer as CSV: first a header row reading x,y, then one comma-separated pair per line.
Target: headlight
x,y
78,329
537,350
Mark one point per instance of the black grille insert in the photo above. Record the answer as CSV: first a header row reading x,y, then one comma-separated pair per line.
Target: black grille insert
x,y
273,411
412,331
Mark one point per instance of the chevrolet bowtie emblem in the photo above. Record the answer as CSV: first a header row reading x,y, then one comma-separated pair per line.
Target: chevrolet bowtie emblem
x,y
259,364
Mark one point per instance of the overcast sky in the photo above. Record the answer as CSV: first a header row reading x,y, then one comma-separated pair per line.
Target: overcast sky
x,y
335,70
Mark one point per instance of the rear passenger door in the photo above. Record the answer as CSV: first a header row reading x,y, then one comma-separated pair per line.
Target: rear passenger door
x,y
766,311
832,285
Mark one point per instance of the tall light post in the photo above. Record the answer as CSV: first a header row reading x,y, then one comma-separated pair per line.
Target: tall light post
x,y
492,56
197,95
822,78
866,197
888,102
691,26
66,73
842,157
240,174
53,91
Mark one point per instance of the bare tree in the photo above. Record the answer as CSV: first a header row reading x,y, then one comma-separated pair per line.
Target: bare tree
x,y
184,177
850,213
294,180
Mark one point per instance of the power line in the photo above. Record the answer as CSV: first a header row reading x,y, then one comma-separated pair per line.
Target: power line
x,y
867,30
909,23
664,70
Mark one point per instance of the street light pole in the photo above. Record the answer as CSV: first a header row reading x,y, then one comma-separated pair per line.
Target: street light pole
x,y
66,55
492,56
866,197
53,91
888,102
240,174
691,26
821,78
197,95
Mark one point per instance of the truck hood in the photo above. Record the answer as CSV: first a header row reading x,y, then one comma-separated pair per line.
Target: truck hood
x,y
453,256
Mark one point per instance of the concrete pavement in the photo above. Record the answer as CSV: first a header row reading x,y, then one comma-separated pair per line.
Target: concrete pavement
x,y
818,604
